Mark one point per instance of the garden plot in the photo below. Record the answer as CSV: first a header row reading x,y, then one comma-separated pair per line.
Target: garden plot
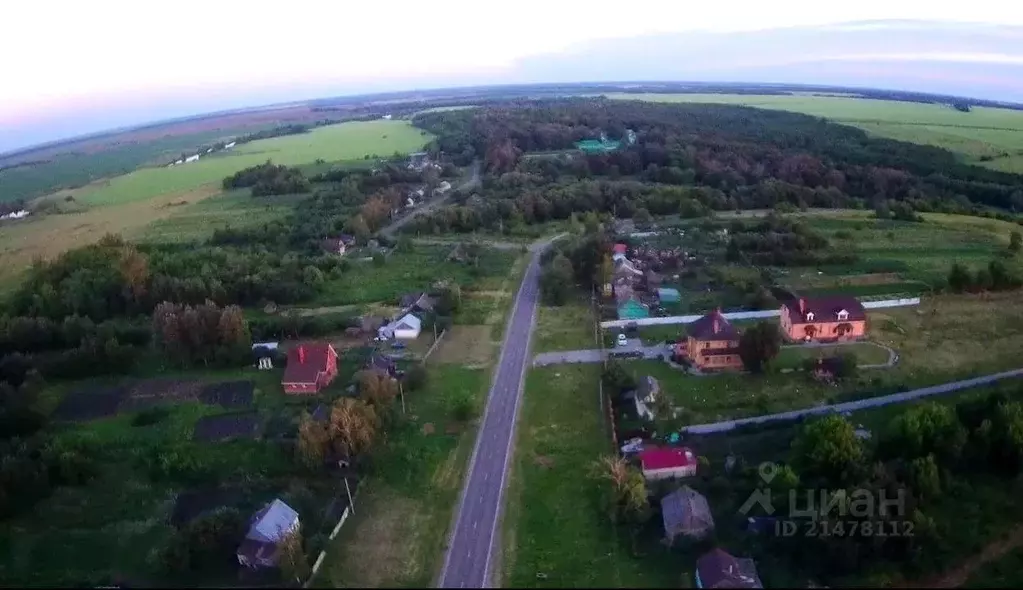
x,y
154,392
191,504
227,427
228,394
90,404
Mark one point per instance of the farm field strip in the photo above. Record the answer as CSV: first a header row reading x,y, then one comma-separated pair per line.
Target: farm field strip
x,y
343,141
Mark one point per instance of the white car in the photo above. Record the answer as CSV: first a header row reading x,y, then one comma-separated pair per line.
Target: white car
x,y
622,340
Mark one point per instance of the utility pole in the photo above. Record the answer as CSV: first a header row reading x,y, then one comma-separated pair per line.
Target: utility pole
x,y
401,394
351,502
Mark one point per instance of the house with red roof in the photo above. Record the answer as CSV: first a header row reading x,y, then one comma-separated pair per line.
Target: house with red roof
x,y
311,367
667,462
711,343
823,319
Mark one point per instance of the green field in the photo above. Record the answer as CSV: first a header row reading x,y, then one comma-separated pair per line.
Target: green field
x,y
983,132
236,209
346,141
554,523
79,168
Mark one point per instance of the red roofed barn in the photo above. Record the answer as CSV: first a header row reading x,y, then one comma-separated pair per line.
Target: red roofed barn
x,y
824,319
311,366
667,463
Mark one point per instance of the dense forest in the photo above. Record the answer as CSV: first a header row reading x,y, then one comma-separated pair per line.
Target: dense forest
x,y
688,159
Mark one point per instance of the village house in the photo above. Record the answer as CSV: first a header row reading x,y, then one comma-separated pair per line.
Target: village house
x,y
667,463
407,327
823,319
414,302
334,246
271,525
712,342
631,308
193,158
686,512
719,569
311,367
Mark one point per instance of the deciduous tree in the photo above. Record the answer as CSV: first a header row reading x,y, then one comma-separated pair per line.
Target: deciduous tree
x,y
758,345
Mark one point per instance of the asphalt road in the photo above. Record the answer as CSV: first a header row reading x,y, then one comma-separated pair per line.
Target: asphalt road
x,y
472,540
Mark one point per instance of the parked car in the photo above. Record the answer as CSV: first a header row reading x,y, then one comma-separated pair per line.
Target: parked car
x,y
622,340
398,345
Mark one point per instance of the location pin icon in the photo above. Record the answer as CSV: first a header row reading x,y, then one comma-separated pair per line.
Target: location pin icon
x,y
767,471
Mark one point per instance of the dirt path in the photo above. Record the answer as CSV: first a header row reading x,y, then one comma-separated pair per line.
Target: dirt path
x,y
961,574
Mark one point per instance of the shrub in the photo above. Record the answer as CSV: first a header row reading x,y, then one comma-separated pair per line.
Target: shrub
x,y
150,416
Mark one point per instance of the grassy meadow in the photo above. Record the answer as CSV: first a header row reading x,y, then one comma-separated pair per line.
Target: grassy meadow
x,y
982,133
345,141
170,203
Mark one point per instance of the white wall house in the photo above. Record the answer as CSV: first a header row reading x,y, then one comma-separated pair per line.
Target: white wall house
x,y
194,158
408,327
229,145
20,214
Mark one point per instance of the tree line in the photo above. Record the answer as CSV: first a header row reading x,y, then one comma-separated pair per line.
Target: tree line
x,y
690,158
269,179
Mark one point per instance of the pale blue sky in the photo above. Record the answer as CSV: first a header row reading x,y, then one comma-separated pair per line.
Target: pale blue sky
x,y
70,56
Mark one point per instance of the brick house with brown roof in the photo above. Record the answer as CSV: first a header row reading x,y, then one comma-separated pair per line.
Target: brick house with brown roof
x,y
823,319
311,366
711,343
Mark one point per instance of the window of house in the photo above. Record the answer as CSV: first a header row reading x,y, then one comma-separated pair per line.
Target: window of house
x,y
809,316
843,315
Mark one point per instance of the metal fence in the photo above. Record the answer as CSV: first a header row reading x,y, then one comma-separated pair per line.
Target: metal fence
x,y
746,315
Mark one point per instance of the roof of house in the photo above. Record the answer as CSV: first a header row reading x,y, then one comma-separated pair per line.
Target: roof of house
x,y
712,326
410,299
685,510
632,308
332,244
669,294
409,322
719,569
272,345
825,308
272,522
348,239
667,458
306,361
620,248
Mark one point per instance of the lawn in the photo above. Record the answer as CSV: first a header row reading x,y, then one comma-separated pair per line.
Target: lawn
x,y
946,338
404,272
983,132
792,357
554,523
568,327
397,535
193,221
345,141
108,527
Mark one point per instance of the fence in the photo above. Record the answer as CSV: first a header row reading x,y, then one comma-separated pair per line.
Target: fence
x,y
746,315
434,345
337,528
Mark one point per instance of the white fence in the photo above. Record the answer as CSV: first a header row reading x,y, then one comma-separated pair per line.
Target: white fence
x,y
745,315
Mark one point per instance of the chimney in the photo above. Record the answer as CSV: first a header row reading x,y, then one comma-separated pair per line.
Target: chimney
x,y
301,355
717,324
802,305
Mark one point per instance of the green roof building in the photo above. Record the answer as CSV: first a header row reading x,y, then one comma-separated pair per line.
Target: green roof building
x,y
632,310
595,146
667,295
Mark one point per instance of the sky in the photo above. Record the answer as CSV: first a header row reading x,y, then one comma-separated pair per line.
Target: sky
x,y
102,62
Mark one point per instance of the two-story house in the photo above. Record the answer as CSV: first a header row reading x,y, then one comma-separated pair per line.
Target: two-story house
x,y
823,319
711,343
